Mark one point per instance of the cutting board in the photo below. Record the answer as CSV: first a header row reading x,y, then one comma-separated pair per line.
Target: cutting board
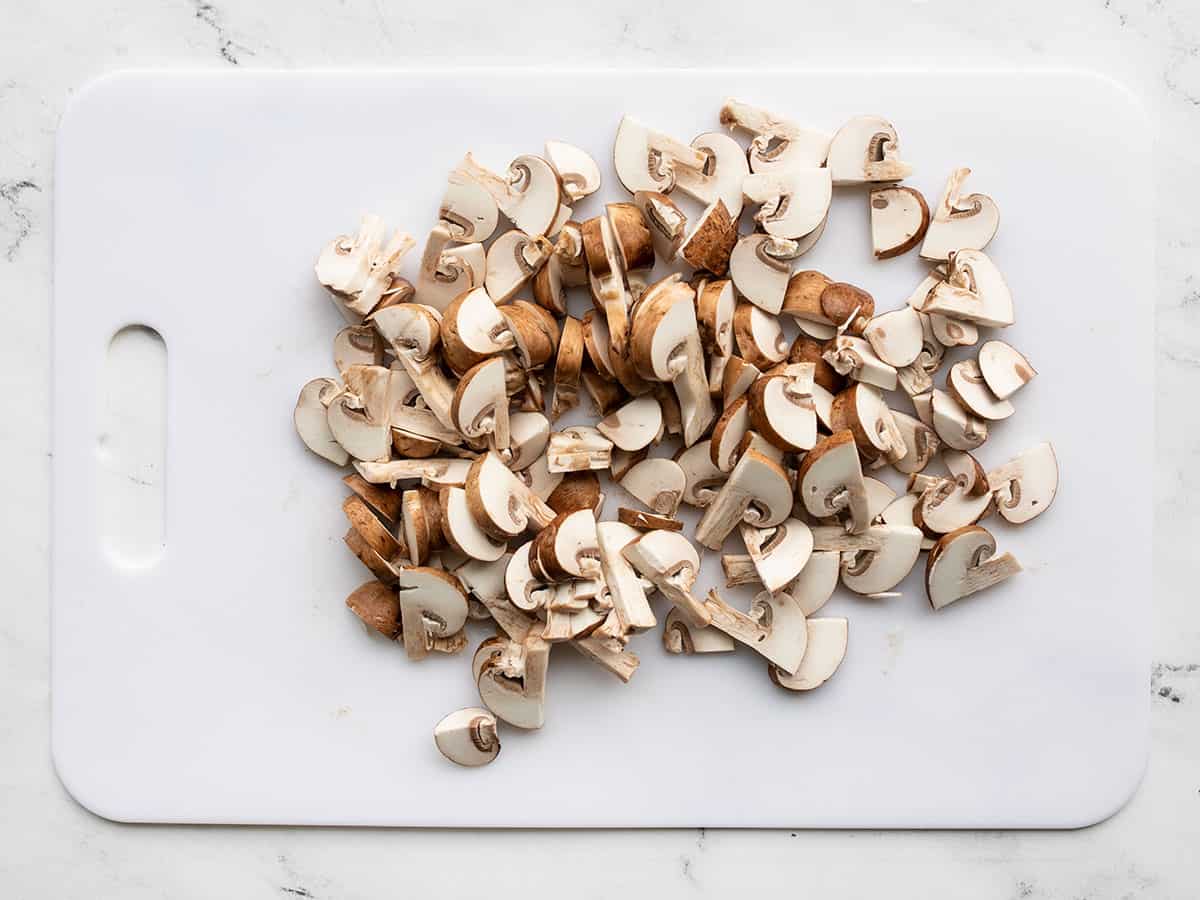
x,y
213,673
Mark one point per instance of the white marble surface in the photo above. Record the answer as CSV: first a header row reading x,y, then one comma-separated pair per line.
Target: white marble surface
x,y
52,848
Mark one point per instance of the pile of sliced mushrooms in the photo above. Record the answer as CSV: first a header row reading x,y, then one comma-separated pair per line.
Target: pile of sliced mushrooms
x,y
467,502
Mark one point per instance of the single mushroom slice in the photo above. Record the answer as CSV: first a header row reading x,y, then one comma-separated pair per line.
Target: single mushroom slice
x,y
1004,369
1025,487
659,483
378,607
526,591
529,433
666,221
605,394
312,421
963,563
473,330
480,406
862,409
461,530
433,606
737,380
680,637
578,172
484,579
773,628
758,492
760,266
974,290
806,349
633,241
966,384
948,506
606,276
917,378
648,160
363,270
421,524
955,427
779,144
468,737
576,490
468,209
779,552
759,336
665,345
438,471
920,442
624,460
357,345
578,449
669,560
647,521
634,426
953,333
566,549
739,569
512,682
709,243
512,260
960,223
824,651
384,501
567,366
877,571
373,530
549,289
802,301
363,433
879,496
446,272
535,331
793,201
528,193
721,176
782,411
728,433
502,503
899,218
716,301
702,478
414,333
625,587
854,357
539,479
866,149
896,336
815,584
830,480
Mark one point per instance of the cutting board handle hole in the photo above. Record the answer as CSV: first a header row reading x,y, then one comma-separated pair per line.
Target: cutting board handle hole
x,y
131,446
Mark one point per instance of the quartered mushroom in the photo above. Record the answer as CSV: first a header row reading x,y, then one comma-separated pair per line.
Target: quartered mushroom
x,y
528,193
535,331
648,160
472,330
578,449
378,607
759,336
921,444
647,521
960,223
778,552
701,477
480,406
853,356
512,681
736,380
512,260
566,548
360,271
625,587
666,221
669,561
802,301
659,483
433,608
863,410
974,291
707,245
815,584
1004,369
414,333
758,492
778,144
461,530
899,219
849,307
637,424
866,149
311,418
896,337
577,171
760,266
529,433
1025,487
421,524
774,627
680,637
468,209
952,332
468,737
830,480
877,571
576,490
502,503
445,271
782,411
357,345
823,654
955,427
963,563
721,176
966,384
794,201
567,366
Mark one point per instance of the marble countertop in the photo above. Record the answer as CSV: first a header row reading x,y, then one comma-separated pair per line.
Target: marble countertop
x,y
53,848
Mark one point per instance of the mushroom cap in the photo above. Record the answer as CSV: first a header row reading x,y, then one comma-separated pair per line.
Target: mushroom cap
x,y
721,178
779,552
728,433
1026,486
896,337
866,149
578,172
899,218
759,336
512,259
716,301
974,291
875,571
955,427
376,604
779,143
830,479
815,584
781,415
480,404
666,221
434,597
567,547
794,201
662,328
760,274
468,737
709,242
529,432
960,223
823,654
492,492
847,306
1004,369
636,425
966,384
702,478
512,683
461,530
311,418
472,330
680,637
862,409
468,209
659,483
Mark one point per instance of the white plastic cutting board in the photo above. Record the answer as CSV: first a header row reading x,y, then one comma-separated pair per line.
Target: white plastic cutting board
x,y
226,682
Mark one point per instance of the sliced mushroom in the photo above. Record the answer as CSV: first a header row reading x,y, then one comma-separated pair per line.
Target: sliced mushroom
x,y
414,333
549,289
357,345
567,366
446,272
1004,369
917,378
896,336
778,143
823,654
1025,487
728,433
528,193
739,375
779,552
578,172
866,149
680,637
782,411
794,201
566,548
468,737
879,495
473,330
809,350
853,356
378,607
383,501
512,260
313,424
953,333
624,460
721,176
647,521
467,209
359,271
375,532
758,492
432,606
480,407
949,506
715,305
576,490
633,241
710,241
535,331
637,424
974,290
364,434
920,442
960,223
899,218
502,503
802,301
955,427
830,480
862,409
671,563
813,587
628,596
760,266
512,681
966,384
604,394
647,160
962,563
529,433
578,449
876,571
759,336
421,524
666,221
702,478
526,591
774,627
659,483
439,471
461,530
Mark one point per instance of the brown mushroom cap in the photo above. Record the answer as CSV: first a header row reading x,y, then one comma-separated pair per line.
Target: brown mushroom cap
x,y
710,241
845,304
378,607
782,415
759,336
